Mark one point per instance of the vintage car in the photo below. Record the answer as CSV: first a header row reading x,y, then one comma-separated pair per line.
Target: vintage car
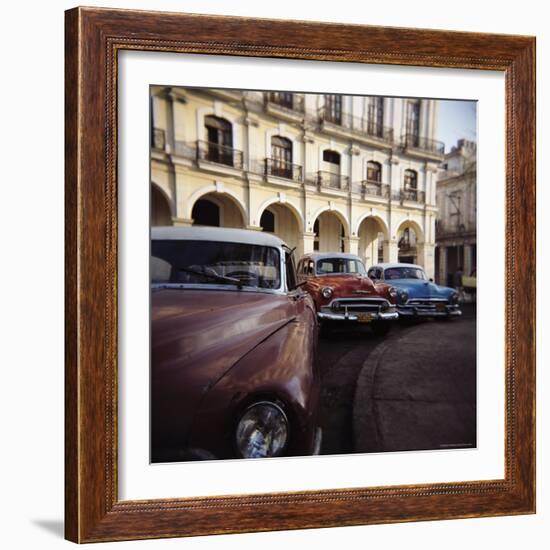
x,y
418,296
233,348
343,293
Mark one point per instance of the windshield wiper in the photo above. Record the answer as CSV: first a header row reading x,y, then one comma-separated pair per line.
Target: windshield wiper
x,y
213,275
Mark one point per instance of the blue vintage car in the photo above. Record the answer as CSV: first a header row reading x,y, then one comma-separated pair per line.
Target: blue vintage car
x,y
418,296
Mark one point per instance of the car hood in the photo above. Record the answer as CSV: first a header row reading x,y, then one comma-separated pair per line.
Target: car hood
x,y
417,288
197,336
346,285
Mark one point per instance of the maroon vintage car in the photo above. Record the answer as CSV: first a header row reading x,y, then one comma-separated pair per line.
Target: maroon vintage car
x,y
233,348
343,293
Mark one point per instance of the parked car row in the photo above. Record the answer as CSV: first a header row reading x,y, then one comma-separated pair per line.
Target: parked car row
x,y
234,332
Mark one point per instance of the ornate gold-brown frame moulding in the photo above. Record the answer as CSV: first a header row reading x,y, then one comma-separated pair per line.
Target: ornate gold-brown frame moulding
x,y
93,39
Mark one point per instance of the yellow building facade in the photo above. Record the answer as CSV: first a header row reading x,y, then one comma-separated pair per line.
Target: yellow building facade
x,y
322,171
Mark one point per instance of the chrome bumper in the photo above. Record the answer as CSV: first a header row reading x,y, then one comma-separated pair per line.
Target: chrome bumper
x,y
420,311
346,316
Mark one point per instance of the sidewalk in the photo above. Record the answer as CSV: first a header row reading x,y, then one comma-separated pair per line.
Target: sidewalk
x,y
417,390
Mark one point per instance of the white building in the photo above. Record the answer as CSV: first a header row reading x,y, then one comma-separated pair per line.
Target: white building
x,y
324,172
457,213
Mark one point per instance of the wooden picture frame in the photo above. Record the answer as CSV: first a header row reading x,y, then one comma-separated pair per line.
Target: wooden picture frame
x,y
93,39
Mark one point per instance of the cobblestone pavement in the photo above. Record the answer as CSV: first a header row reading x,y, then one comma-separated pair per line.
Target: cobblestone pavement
x,y
414,389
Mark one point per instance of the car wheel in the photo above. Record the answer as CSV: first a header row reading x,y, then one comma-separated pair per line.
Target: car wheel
x,y
381,328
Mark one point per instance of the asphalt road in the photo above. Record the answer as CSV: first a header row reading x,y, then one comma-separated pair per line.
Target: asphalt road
x,y
413,389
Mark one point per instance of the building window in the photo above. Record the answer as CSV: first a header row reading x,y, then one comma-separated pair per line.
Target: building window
x,y
205,212
410,185
268,221
333,108
374,171
219,135
332,157
413,123
284,99
375,118
281,157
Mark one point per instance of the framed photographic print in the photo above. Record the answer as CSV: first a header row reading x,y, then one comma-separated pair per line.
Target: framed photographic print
x,y
275,236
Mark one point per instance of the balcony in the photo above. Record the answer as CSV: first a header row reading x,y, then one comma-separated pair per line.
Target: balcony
x,y
331,180
158,139
219,154
369,129
285,105
281,169
186,150
414,143
370,188
412,195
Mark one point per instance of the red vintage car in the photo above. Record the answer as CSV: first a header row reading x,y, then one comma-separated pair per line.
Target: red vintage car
x,y
233,348
343,293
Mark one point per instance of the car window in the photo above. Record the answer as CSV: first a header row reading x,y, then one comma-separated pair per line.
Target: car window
x,y
339,265
393,273
291,281
215,263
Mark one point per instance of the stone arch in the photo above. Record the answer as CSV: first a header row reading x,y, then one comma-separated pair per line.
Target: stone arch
x,y
410,223
231,212
219,191
275,200
372,231
161,208
287,221
331,230
337,212
410,237
378,219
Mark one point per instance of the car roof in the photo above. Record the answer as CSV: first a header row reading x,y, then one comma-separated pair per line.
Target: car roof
x,y
323,255
223,234
387,265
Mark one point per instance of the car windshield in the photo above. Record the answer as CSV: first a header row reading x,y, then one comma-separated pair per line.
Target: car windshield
x,y
393,273
214,263
339,265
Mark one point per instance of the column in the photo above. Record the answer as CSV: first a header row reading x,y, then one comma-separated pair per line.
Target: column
x,y
443,265
467,263
307,243
426,258
351,245
390,251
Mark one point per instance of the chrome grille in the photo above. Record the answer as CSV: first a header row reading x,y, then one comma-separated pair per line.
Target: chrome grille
x,y
357,305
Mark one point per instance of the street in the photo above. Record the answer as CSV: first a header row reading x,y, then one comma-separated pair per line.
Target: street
x,y
413,389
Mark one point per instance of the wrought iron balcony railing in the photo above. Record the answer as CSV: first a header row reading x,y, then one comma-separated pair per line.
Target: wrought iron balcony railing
x,y
158,139
219,154
282,169
414,141
186,150
375,189
413,195
333,181
286,100
370,126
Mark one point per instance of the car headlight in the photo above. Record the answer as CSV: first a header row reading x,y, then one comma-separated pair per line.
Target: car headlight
x,y
453,299
392,292
262,431
403,296
326,292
